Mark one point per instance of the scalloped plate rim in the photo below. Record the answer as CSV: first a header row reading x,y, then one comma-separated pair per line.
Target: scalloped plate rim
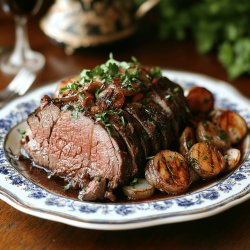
x,y
136,223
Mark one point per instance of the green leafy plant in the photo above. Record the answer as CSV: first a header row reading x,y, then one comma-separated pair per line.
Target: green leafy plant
x,y
221,26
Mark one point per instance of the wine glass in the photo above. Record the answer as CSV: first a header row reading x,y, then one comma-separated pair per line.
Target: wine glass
x,y
22,55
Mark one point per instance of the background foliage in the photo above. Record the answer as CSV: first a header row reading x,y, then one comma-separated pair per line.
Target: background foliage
x,y
222,26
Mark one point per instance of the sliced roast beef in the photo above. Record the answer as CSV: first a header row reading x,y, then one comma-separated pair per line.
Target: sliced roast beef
x,y
122,123
142,134
137,110
173,94
162,120
98,148
41,123
78,149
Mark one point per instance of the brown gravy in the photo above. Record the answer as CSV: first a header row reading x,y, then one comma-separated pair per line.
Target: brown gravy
x,y
56,184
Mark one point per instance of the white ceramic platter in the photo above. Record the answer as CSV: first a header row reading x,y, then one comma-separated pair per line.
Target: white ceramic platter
x,y
24,195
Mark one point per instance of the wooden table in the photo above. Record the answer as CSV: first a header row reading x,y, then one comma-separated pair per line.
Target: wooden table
x,y
228,230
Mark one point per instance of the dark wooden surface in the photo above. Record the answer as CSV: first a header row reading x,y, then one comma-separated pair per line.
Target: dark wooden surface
x,y
228,230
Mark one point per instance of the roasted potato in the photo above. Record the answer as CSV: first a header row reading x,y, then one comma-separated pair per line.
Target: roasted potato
x,y
186,141
234,125
232,158
206,160
210,133
200,100
168,172
139,189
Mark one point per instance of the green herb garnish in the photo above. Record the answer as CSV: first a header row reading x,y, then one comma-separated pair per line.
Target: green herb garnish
x,y
71,86
172,157
169,98
176,89
156,72
189,143
150,157
67,106
22,134
98,178
223,135
209,137
102,118
194,162
205,157
76,111
98,91
123,120
205,123
134,182
134,60
67,187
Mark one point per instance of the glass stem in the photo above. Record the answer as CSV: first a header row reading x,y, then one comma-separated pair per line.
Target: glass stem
x,y
22,46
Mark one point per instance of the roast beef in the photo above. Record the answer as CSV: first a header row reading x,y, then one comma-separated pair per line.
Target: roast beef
x,y
97,148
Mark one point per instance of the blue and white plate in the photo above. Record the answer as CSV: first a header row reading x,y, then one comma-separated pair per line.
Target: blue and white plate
x,y
26,196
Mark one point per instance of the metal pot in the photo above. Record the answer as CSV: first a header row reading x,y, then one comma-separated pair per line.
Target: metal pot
x,y
88,23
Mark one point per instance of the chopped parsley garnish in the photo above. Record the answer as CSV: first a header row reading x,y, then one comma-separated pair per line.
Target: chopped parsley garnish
x,y
176,89
112,70
123,120
76,111
205,157
134,182
169,98
209,137
223,135
193,162
22,133
150,157
71,86
156,72
67,187
134,60
172,157
102,118
98,91
126,82
189,143
133,72
98,178
205,123
67,106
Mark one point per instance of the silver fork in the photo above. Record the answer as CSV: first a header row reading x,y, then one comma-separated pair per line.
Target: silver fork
x,y
17,87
